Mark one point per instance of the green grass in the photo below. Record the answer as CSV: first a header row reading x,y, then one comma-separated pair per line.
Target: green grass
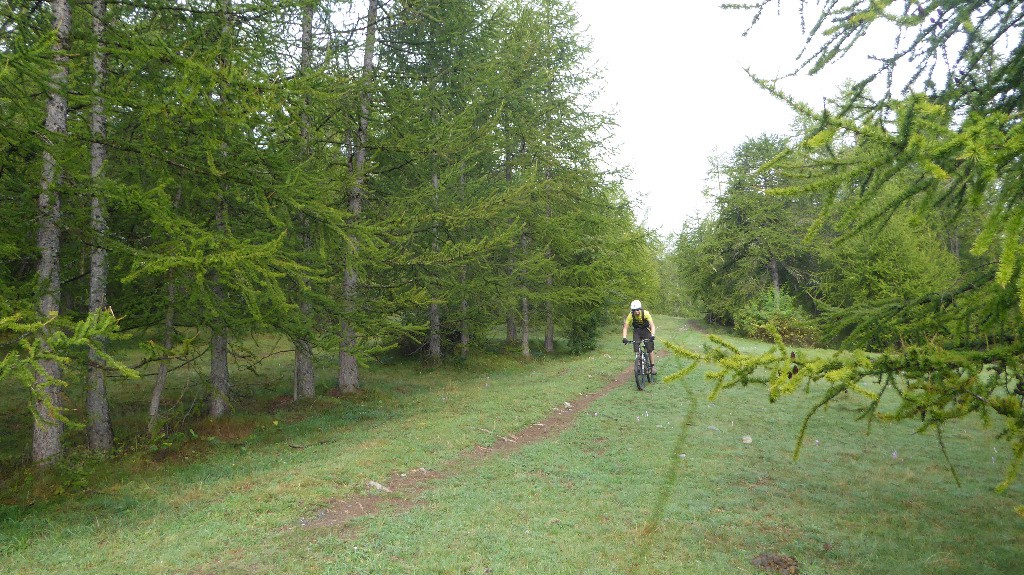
x,y
612,494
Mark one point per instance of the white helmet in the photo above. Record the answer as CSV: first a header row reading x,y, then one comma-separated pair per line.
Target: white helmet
x,y
635,305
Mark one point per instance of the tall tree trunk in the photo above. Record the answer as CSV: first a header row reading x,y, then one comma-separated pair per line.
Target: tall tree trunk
x,y
305,375
348,369
47,428
773,268
954,242
511,321
525,305
526,326
100,432
434,311
161,373
355,203
434,337
549,333
219,372
464,303
304,380
464,323
219,375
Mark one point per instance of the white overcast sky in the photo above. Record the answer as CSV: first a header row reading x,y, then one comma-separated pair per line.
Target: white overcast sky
x,y
675,81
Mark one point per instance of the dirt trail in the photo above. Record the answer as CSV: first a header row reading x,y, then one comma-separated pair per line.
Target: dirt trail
x,y
400,490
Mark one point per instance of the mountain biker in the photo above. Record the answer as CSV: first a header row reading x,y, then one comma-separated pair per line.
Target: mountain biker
x,y
643,329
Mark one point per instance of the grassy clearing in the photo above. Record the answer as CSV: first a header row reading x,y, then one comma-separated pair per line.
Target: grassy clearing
x,y
612,494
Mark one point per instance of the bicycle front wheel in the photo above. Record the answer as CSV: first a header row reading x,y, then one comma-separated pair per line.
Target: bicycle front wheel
x,y
638,374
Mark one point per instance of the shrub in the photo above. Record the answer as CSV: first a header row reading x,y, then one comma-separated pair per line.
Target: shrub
x,y
583,330
767,315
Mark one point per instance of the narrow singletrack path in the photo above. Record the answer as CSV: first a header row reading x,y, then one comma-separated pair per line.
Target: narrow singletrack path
x,y
400,490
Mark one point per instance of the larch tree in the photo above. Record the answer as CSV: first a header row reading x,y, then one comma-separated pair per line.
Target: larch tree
x,y
348,365
437,61
753,245
530,92
48,420
220,193
304,383
100,431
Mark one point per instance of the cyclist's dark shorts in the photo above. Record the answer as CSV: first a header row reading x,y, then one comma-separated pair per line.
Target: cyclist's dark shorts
x,y
645,334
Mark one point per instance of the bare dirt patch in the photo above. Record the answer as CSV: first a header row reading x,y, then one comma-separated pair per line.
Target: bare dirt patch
x,y
776,563
400,490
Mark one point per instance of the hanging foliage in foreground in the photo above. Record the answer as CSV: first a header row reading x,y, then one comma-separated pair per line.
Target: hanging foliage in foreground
x,y
947,145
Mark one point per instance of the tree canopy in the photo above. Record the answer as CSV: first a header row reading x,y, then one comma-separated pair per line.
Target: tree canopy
x,y
353,176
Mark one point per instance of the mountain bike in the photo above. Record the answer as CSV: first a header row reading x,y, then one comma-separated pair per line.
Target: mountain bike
x,y
641,365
